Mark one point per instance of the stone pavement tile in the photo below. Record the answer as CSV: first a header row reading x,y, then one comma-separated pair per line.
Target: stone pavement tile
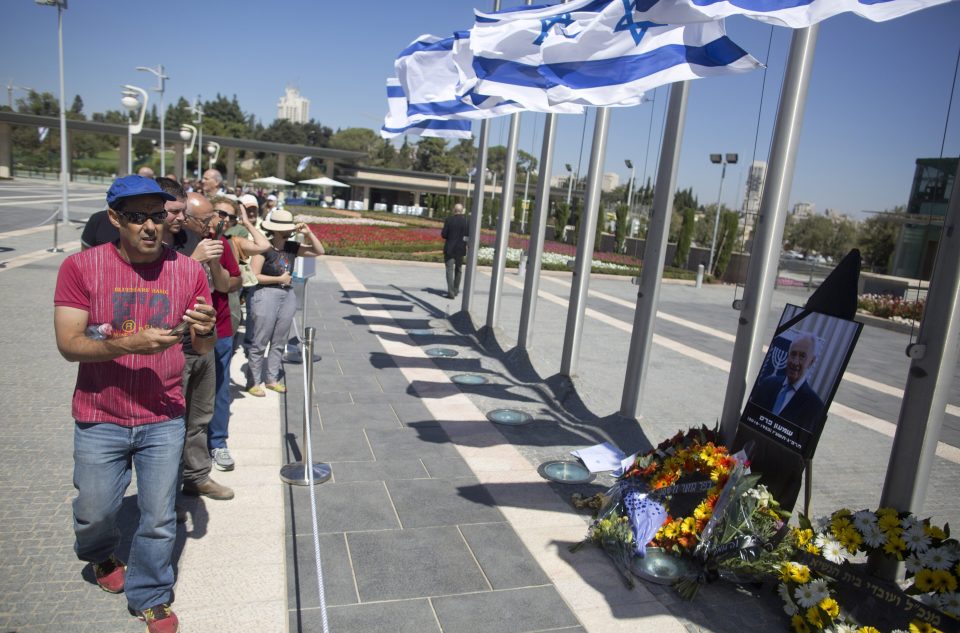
x,y
230,549
440,468
339,445
413,413
413,563
392,382
359,365
239,616
335,416
337,383
338,584
229,584
419,442
507,611
380,470
247,474
502,556
429,502
324,398
404,616
630,618
344,507
527,500
234,514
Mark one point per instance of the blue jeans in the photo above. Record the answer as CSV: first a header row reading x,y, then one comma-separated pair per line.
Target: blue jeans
x,y
103,455
217,429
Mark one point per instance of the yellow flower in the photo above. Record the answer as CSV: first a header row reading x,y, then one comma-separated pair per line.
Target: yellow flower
x,y
689,526
922,627
799,624
850,538
888,522
702,511
895,546
799,574
671,530
830,606
813,617
813,549
838,525
934,532
886,512
923,581
867,629
943,580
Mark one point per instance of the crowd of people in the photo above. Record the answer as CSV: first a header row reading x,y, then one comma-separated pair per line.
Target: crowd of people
x,y
174,277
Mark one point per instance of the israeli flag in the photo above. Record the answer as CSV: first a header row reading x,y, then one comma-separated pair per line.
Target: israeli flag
x,y
428,73
397,122
593,52
791,13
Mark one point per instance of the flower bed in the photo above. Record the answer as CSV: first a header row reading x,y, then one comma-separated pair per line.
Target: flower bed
x,y
891,307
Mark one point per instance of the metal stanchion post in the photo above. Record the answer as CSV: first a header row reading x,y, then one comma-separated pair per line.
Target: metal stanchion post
x,y
297,473
56,223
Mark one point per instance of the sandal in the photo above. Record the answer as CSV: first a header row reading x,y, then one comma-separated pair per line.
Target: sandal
x,y
257,391
277,387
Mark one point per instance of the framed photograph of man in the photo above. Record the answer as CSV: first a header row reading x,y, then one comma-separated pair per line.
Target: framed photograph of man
x,y
799,377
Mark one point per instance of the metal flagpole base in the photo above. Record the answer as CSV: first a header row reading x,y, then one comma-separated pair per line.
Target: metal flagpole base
x,y
55,250
296,473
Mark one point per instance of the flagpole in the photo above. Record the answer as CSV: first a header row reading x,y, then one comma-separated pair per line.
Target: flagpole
x,y
503,223
934,357
476,215
585,241
538,229
645,313
762,269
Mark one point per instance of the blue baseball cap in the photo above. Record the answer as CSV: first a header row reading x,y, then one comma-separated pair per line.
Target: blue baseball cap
x,y
134,186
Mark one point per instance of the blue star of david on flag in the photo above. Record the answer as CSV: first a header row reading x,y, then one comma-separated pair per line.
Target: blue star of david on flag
x,y
546,24
627,23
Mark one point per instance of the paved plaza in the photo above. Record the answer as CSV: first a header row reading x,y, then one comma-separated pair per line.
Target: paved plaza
x,y
434,519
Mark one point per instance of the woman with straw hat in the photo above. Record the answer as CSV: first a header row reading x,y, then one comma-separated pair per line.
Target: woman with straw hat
x,y
273,303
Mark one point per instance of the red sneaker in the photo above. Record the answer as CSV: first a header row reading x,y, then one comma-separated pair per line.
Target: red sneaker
x,y
160,619
110,574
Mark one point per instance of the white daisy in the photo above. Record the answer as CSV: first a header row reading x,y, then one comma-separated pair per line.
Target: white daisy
x,y
873,536
843,627
822,539
788,604
863,519
937,558
820,589
833,551
916,539
949,603
910,522
913,563
807,595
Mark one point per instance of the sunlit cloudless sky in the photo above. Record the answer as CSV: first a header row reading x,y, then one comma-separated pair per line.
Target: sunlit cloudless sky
x,y
878,97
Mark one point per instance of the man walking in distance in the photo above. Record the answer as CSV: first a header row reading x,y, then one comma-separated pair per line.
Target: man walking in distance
x,y
212,183
200,373
115,309
455,232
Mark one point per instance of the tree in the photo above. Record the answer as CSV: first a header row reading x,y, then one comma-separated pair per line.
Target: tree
x,y
729,221
877,239
223,117
431,155
685,238
810,234
177,114
355,139
77,108
843,238
621,231
560,218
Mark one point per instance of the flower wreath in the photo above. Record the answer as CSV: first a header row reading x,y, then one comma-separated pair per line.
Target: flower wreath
x,y
686,454
931,558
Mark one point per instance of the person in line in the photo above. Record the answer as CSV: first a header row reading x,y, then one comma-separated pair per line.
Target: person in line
x,y
212,183
790,396
115,307
273,303
455,232
200,372
98,229
247,241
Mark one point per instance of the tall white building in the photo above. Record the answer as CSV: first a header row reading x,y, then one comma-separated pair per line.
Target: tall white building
x,y
803,210
756,177
293,107
611,180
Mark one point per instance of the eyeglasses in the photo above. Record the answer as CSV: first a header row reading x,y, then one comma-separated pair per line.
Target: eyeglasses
x,y
204,222
226,215
139,217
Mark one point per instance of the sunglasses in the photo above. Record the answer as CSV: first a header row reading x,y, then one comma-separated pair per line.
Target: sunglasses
x,y
139,217
204,222
225,215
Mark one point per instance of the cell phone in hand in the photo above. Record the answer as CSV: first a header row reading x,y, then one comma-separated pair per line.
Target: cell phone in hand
x,y
218,233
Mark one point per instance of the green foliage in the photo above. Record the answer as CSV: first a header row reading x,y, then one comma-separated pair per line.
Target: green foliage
x,y
729,221
877,239
682,199
810,234
621,230
560,219
685,237
598,234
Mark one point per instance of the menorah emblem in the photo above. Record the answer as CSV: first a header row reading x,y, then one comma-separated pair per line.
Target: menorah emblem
x,y
778,358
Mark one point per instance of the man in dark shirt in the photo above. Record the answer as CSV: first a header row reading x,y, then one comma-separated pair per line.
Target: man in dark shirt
x,y
455,232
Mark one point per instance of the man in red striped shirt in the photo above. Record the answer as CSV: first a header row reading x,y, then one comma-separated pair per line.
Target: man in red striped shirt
x,y
116,307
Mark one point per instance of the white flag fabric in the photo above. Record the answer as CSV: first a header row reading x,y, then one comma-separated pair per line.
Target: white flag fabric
x,y
397,122
592,52
303,163
430,77
792,13
42,133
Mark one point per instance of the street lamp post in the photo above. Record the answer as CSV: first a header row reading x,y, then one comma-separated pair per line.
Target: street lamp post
x,y
187,133
11,88
131,103
161,82
198,112
719,159
569,184
64,169
213,148
630,166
